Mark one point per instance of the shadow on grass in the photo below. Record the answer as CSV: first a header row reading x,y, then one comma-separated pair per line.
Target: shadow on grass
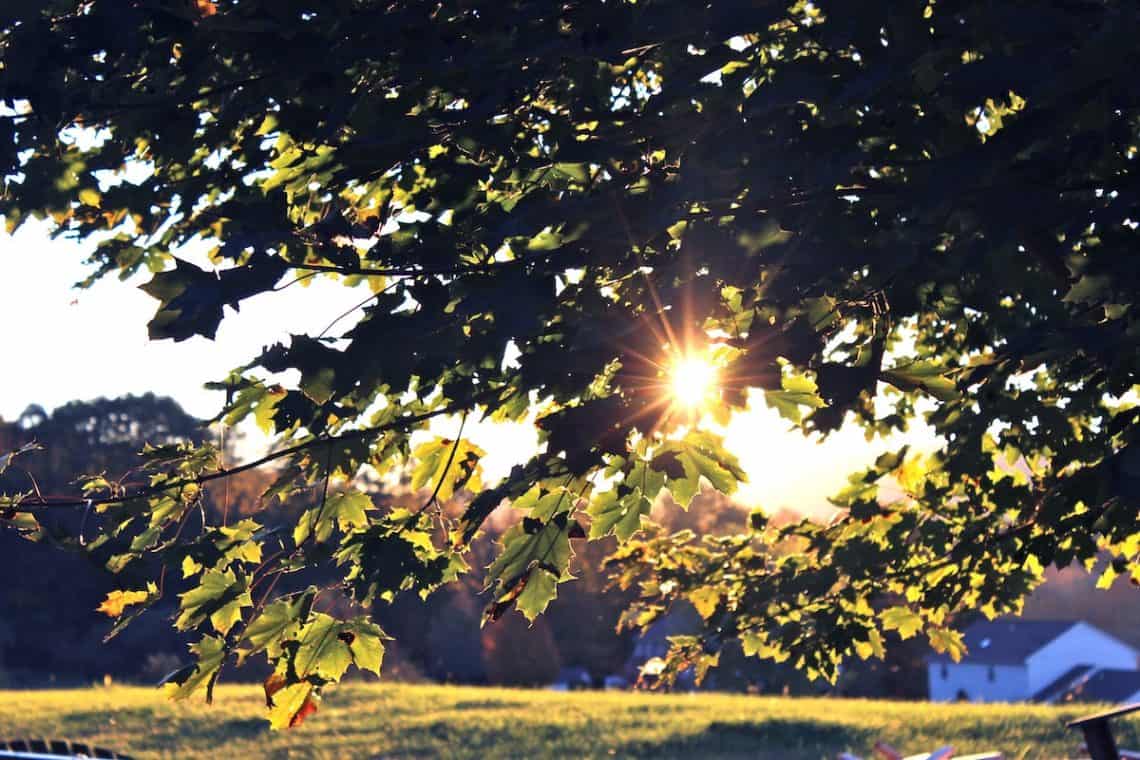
x,y
768,738
488,704
776,737
209,733
151,732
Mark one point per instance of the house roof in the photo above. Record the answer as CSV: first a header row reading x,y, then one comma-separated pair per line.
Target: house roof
x,y
1006,642
1060,685
1104,686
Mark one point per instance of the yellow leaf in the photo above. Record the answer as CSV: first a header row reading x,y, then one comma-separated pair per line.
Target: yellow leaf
x,y
902,619
948,642
756,644
1106,578
705,600
873,647
290,705
117,601
912,473
190,566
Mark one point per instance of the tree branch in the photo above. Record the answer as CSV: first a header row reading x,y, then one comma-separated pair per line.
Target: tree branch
x,y
69,503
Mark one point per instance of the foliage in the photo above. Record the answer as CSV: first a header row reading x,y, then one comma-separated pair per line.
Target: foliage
x,y
467,722
873,211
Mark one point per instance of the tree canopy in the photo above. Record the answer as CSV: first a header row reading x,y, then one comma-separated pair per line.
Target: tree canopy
x,y
859,213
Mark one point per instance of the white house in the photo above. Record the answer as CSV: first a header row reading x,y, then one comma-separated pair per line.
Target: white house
x,y
1038,660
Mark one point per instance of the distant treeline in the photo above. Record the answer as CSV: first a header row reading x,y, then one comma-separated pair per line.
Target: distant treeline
x,y
51,633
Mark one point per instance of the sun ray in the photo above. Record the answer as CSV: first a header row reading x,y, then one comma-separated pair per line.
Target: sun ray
x,y
693,381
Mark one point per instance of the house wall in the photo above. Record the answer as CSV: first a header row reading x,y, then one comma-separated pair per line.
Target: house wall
x,y
1082,644
1009,683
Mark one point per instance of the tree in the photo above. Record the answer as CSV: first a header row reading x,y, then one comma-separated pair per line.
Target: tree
x,y
862,214
54,634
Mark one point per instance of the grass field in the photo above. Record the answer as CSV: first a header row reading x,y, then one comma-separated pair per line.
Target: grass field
x,y
396,721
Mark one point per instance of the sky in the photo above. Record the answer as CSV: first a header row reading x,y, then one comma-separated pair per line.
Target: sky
x,y
61,344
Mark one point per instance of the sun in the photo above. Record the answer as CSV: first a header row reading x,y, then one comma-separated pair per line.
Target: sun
x,y
693,380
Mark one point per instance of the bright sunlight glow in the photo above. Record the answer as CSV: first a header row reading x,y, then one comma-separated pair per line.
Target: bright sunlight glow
x,y
693,381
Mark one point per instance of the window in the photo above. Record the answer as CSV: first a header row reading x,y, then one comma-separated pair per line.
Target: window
x,y
945,672
991,675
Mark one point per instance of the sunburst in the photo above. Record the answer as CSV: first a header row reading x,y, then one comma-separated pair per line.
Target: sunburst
x,y
693,382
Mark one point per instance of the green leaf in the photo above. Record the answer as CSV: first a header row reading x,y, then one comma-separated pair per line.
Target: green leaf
x,y
219,596
318,649
798,391
767,236
209,654
540,589
318,385
437,467
275,623
258,399
617,514
542,503
366,644
531,553
346,510
549,546
924,376
701,454
325,647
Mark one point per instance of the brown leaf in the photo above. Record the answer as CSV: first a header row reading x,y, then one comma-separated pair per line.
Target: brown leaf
x,y
273,684
308,707
296,701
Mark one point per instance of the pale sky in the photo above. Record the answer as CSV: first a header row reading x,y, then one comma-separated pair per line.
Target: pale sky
x,y
61,344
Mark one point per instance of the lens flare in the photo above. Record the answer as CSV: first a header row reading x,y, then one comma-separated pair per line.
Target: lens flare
x,y
693,380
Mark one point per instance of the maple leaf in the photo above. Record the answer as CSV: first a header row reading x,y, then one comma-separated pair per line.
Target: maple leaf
x,y
117,601
902,619
210,653
290,704
346,510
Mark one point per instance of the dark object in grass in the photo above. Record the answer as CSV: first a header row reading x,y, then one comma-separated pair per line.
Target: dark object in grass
x,y
45,749
1099,742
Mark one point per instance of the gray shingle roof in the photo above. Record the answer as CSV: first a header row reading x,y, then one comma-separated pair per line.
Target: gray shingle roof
x,y
1104,686
1060,685
1006,642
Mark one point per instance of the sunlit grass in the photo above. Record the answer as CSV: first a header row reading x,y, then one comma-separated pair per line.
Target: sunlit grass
x,y
359,721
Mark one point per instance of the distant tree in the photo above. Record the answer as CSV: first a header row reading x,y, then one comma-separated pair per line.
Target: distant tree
x,y
548,211
52,631
519,654
103,435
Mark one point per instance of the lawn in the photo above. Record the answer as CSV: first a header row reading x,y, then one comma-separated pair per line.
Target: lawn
x,y
398,721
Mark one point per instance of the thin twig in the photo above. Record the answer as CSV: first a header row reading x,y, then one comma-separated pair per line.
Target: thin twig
x,y
443,476
410,420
